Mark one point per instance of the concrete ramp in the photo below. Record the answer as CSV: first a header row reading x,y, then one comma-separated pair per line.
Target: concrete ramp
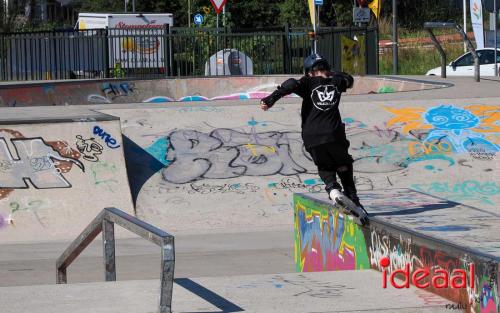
x,y
231,168
405,231
285,293
179,89
57,173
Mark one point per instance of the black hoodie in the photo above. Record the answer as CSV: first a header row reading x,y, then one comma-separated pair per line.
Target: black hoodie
x,y
321,121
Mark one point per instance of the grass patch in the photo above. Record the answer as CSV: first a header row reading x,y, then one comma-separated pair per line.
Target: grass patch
x,y
417,60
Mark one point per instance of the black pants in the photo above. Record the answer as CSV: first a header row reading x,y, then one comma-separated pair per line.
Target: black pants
x,y
333,159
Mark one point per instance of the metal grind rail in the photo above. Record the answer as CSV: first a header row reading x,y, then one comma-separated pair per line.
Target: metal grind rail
x,y
104,222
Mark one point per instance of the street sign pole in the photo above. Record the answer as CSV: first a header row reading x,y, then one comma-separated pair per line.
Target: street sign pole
x,y
224,16
394,38
495,28
465,23
317,28
314,29
217,42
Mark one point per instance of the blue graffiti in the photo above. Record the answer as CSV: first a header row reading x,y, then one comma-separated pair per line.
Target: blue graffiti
x,y
451,118
108,139
159,150
159,99
453,126
117,89
328,233
459,192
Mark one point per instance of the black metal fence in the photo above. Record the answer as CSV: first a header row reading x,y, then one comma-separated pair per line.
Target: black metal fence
x,y
167,52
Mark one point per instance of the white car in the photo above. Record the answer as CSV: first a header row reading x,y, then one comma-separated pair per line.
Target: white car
x,y
464,65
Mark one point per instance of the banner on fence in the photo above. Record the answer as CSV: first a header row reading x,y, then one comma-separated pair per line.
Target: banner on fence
x,y
353,55
476,14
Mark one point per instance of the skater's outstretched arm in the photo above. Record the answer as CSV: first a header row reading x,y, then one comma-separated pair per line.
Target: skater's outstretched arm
x,y
287,87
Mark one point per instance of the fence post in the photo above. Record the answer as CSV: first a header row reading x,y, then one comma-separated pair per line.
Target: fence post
x,y
105,38
286,50
367,59
337,51
168,51
3,57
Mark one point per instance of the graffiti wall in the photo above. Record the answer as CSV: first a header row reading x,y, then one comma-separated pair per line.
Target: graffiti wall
x,y
327,240
246,164
169,90
54,178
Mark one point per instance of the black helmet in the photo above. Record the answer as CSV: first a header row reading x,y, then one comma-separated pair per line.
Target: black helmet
x,y
314,60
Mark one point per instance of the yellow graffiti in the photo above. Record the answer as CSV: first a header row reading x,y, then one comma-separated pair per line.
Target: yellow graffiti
x,y
412,117
490,116
494,139
254,150
425,148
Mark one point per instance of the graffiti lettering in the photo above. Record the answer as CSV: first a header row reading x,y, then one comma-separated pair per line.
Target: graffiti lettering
x,y
222,188
482,154
36,162
467,190
114,90
327,240
224,153
398,252
108,139
290,184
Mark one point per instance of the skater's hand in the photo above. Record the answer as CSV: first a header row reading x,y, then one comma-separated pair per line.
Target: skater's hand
x,y
264,106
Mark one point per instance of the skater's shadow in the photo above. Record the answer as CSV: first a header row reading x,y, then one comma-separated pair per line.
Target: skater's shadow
x,y
417,210
211,297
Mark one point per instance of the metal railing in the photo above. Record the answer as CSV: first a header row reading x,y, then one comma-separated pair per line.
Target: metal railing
x,y
180,52
104,222
429,26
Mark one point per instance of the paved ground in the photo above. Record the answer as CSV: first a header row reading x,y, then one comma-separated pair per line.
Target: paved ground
x,y
196,255
349,291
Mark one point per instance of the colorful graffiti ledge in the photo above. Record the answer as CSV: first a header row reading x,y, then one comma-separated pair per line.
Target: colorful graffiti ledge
x,y
326,240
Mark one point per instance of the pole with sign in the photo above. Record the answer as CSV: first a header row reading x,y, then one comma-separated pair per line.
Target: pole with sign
x,y
316,5
218,5
496,43
198,19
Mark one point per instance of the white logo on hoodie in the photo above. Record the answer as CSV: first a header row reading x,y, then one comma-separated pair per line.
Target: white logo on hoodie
x,y
325,97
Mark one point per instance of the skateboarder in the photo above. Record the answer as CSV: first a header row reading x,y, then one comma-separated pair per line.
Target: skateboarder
x,y
323,132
